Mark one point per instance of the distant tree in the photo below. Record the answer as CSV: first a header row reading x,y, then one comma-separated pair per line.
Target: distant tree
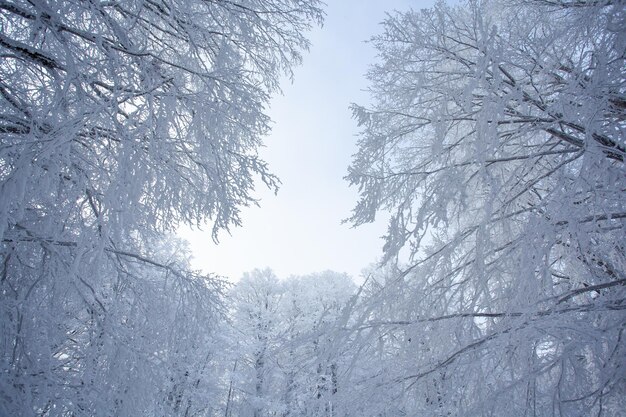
x,y
496,139
118,122
257,325
312,358
284,344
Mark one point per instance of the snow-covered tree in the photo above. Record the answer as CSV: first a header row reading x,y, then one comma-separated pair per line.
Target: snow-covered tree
x,y
496,139
286,360
119,121
257,325
140,341
312,357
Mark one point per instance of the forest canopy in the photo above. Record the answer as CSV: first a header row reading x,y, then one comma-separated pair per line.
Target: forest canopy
x,y
496,140
121,120
495,137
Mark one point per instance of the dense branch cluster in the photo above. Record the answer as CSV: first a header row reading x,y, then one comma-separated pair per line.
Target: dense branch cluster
x,y
119,120
497,142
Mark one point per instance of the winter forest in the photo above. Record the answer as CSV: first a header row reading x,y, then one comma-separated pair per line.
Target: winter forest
x,y
495,141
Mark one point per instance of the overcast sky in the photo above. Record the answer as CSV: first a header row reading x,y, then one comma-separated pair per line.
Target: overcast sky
x,y
299,231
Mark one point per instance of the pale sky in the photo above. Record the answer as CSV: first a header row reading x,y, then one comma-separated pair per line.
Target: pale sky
x,y
299,231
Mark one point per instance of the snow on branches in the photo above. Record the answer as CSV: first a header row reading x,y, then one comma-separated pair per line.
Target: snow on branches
x,y
496,139
120,120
